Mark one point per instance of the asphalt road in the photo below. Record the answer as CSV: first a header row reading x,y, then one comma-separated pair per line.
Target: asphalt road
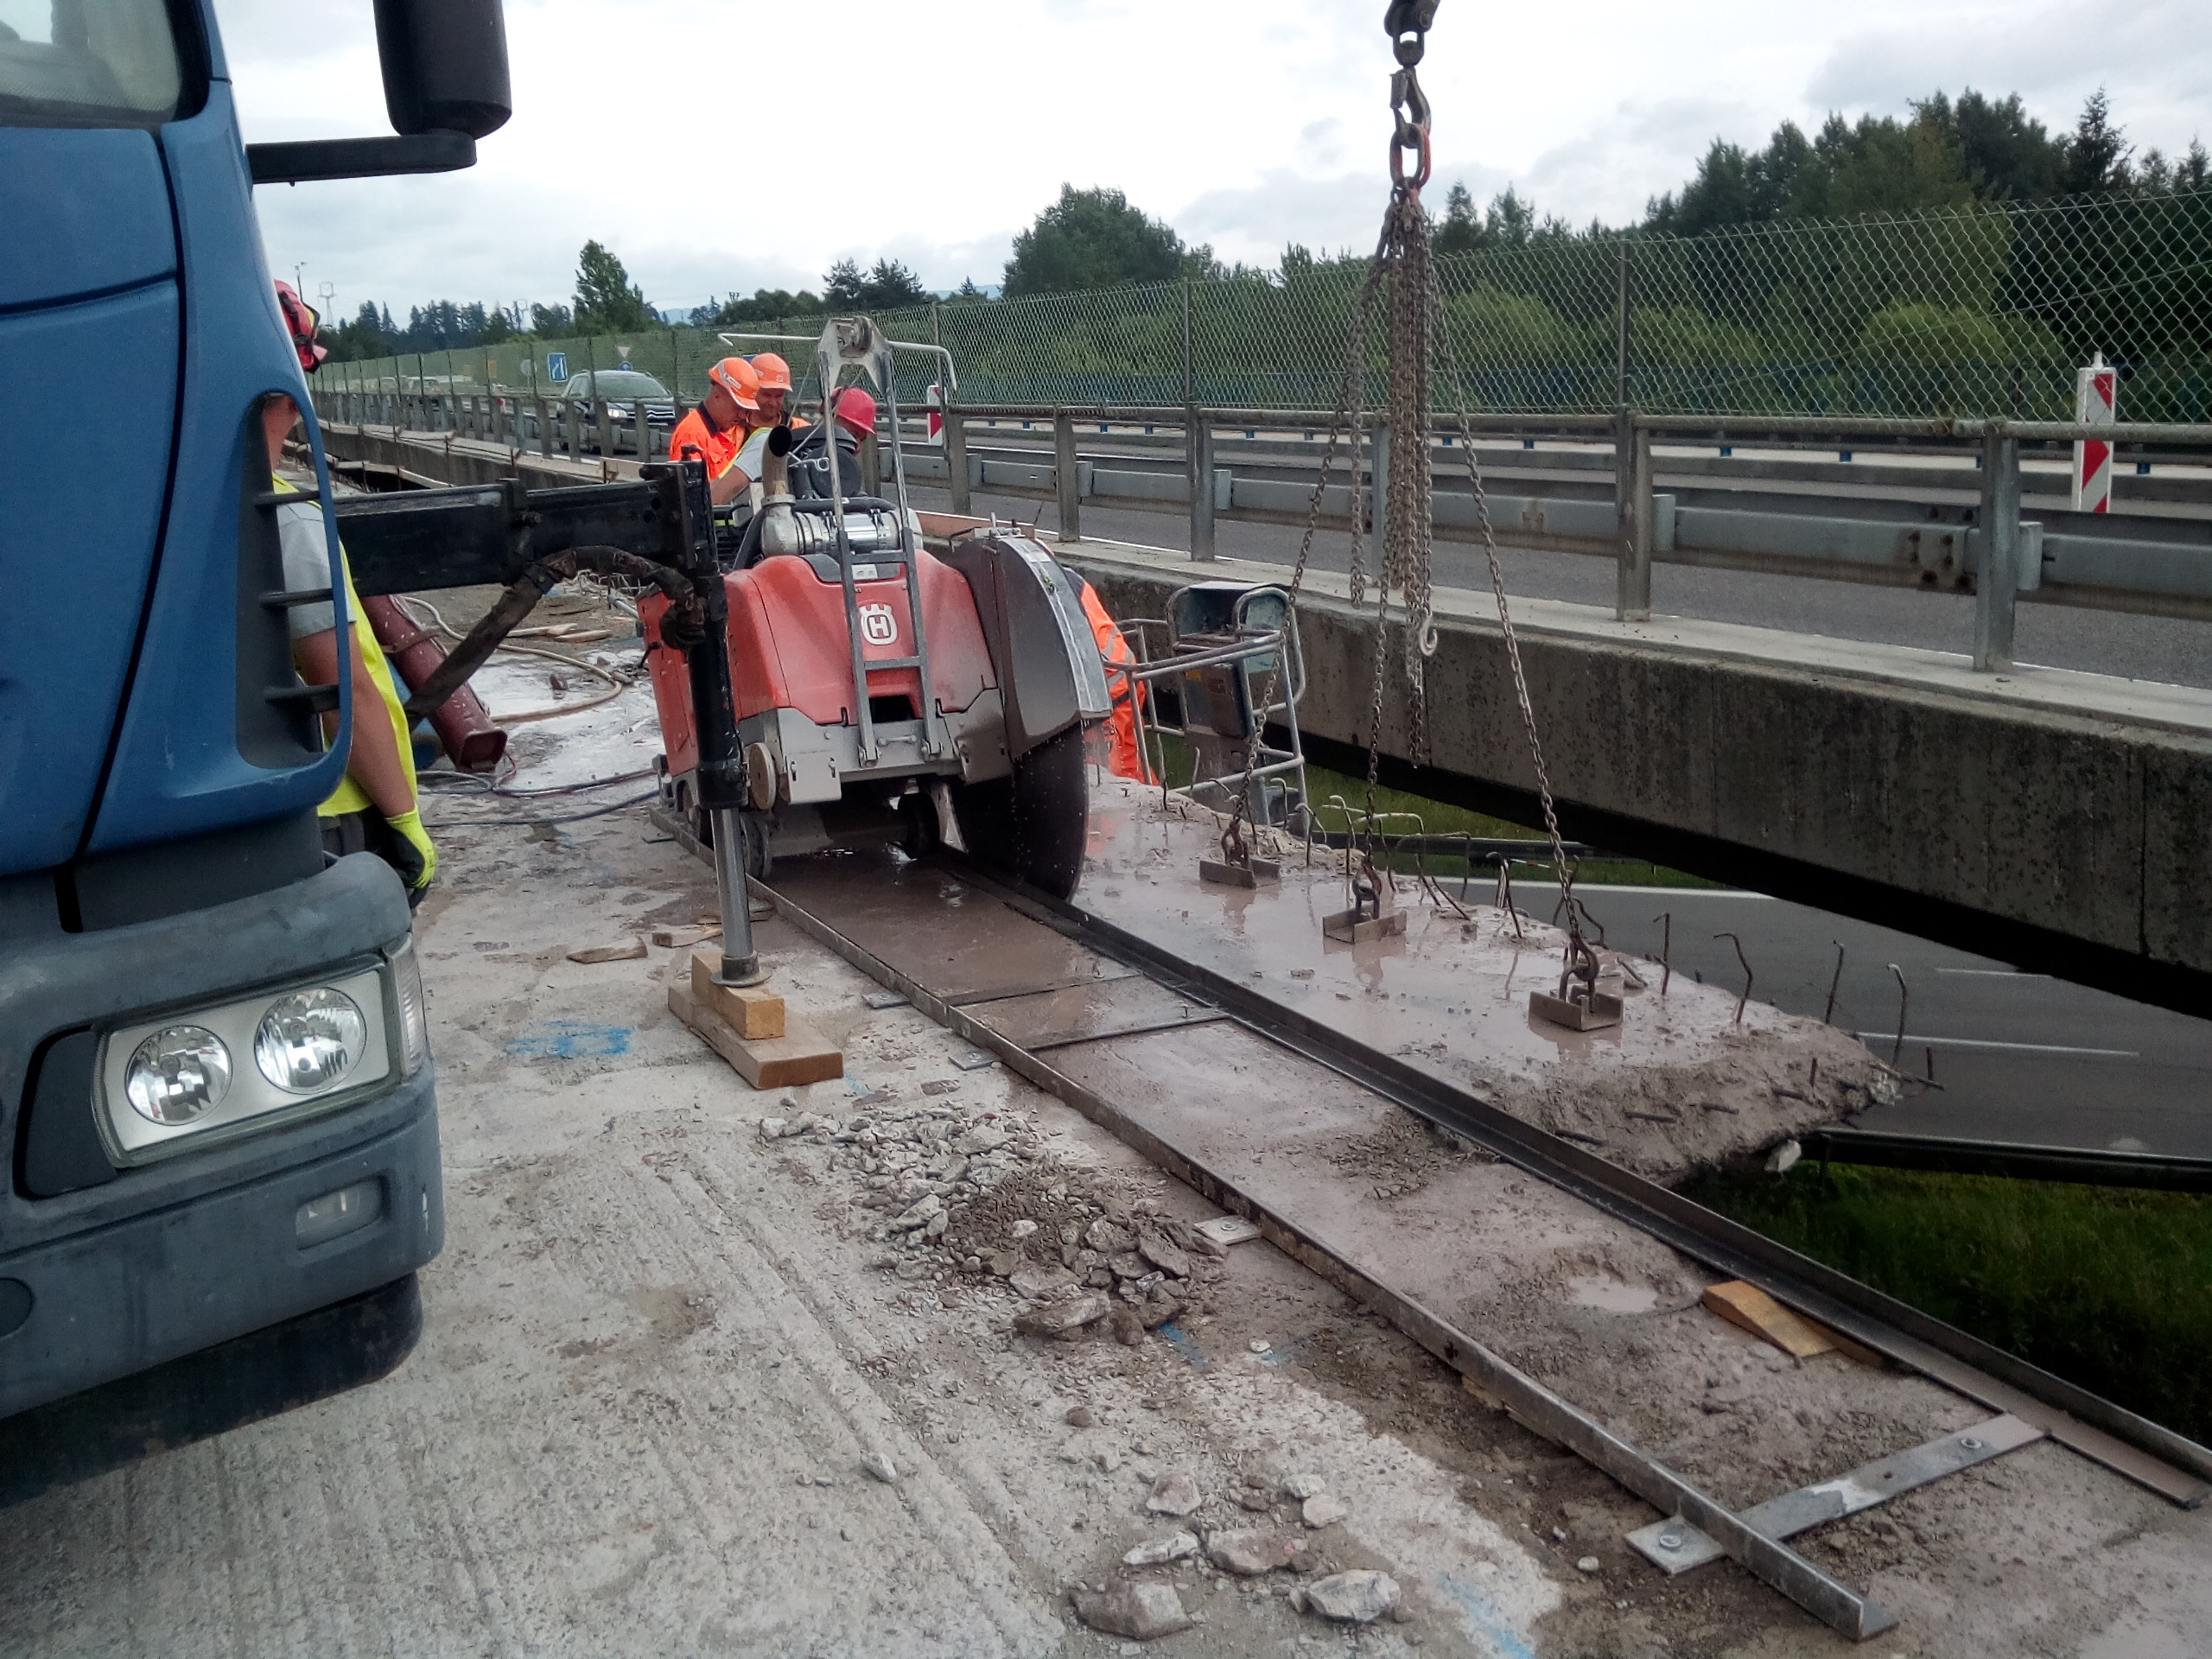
x,y
2020,1057
2160,649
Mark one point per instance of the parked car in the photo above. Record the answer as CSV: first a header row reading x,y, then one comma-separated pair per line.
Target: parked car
x,y
623,389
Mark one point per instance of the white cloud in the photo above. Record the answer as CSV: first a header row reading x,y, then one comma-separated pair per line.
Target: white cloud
x,y
691,137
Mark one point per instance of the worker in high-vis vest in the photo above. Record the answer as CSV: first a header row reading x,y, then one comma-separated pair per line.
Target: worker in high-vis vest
x,y
717,430
374,809
1125,754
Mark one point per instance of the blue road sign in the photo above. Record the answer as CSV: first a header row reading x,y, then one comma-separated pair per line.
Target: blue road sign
x,y
556,366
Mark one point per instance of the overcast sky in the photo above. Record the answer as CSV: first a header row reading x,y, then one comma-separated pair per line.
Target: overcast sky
x,y
693,138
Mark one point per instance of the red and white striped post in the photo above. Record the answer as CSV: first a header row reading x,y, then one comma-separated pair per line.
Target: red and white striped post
x,y
934,401
2096,403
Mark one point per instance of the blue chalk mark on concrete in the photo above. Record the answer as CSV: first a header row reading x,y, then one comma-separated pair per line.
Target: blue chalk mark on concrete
x,y
1485,1621
572,1039
1180,1340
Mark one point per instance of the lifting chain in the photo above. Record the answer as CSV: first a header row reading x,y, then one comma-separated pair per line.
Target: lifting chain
x,y
1420,344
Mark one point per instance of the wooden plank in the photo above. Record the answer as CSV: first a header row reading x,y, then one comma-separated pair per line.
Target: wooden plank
x,y
802,1054
753,1012
630,952
1755,1311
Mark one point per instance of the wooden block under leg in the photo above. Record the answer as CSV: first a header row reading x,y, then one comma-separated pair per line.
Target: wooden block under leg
x,y
802,1054
753,1012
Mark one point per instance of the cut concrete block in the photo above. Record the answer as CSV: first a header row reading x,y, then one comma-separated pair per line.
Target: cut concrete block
x,y
802,1054
753,1012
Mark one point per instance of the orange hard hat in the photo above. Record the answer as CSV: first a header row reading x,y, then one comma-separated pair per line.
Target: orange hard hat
x,y
774,373
856,411
734,376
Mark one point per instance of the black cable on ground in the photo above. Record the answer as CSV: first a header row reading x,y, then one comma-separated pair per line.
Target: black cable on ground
x,y
524,823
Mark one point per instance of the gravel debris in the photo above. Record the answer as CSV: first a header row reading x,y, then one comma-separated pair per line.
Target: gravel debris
x,y
1143,1609
1175,1492
1156,1551
1360,1597
876,1464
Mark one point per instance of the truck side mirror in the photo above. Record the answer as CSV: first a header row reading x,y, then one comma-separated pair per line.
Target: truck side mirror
x,y
445,84
445,65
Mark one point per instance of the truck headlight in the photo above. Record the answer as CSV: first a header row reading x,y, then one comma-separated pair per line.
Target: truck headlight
x,y
180,1080
310,1039
177,1075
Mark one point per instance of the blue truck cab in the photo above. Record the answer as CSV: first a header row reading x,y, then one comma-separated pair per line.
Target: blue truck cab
x,y
216,1097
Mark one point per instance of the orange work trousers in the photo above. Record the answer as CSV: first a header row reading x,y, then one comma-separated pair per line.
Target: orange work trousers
x,y
1125,756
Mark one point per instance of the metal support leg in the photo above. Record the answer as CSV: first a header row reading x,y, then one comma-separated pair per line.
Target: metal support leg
x,y
956,458
740,965
1199,443
1996,588
1065,478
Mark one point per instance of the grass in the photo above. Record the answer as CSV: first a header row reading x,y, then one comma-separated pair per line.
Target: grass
x,y
2110,1287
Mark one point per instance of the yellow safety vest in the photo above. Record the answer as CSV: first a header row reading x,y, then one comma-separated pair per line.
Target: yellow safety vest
x,y
349,796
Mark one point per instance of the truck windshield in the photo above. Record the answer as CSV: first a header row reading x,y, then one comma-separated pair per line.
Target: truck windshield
x,y
78,63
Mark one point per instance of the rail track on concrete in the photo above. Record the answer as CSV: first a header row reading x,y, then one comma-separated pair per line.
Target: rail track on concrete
x,y
1126,1032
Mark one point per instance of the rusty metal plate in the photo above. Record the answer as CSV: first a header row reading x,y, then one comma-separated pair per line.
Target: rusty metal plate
x,y
928,924
1112,1007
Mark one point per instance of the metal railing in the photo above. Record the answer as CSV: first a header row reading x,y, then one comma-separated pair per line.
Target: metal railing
x,y
2156,566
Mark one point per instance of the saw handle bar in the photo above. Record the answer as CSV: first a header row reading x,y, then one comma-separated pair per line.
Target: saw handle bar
x,y
681,626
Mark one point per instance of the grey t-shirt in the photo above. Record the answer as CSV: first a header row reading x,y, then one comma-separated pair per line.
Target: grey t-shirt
x,y
307,565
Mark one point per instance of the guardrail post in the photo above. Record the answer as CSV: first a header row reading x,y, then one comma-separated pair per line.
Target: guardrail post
x,y
604,420
1997,586
644,434
544,425
575,433
1637,518
1378,449
956,457
1065,477
1197,443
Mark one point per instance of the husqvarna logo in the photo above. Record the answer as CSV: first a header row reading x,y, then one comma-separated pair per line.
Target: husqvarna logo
x,y
878,626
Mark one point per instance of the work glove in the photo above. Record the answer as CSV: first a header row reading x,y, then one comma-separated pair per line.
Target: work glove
x,y
408,849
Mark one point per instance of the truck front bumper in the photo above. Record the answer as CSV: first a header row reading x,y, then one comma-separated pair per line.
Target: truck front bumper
x,y
98,1304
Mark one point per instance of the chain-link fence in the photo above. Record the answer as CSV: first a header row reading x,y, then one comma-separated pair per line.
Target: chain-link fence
x,y
1986,311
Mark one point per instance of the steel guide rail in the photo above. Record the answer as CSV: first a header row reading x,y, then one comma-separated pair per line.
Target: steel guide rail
x,y
1526,1399
1945,1354
2155,1458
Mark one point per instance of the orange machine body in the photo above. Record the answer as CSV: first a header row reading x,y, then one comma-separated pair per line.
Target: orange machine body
x,y
789,648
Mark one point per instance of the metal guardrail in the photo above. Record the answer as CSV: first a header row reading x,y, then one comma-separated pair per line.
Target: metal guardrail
x,y
2147,566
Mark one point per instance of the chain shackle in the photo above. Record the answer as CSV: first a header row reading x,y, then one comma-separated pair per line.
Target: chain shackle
x,y
1407,23
1410,108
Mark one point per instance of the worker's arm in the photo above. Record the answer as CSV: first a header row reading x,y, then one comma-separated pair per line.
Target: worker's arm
x,y
732,483
374,757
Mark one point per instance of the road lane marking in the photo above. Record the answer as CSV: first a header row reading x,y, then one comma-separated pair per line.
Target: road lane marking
x,y
1872,1038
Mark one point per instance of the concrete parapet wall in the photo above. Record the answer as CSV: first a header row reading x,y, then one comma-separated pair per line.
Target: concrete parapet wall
x,y
2078,842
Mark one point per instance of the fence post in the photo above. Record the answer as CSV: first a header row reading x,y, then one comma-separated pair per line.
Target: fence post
x,y
1620,335
1065,478
1190,358
1632,495
1997,587
956,456
1198,442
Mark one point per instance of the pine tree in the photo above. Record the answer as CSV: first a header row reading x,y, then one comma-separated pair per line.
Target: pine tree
x,y
607,301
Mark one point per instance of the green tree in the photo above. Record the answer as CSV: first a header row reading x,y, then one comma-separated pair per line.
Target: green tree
x,y
886,287
1093,238
2096,155
607,301
551,322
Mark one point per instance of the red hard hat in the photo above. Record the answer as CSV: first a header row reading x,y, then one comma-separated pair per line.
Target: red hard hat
x,y
300,320
856,411
775,374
